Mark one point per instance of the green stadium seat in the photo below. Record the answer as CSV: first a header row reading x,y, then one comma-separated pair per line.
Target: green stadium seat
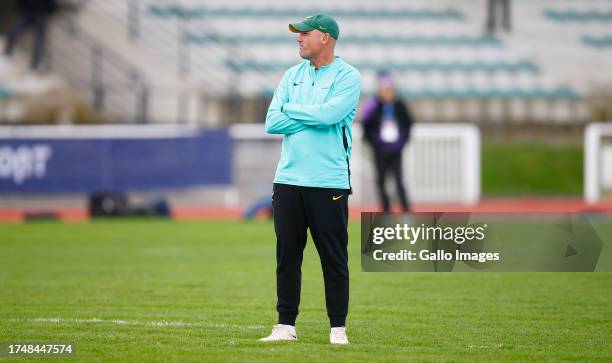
x,y
561,93
603,41
476,41
174,10
522,66
567,16
4,92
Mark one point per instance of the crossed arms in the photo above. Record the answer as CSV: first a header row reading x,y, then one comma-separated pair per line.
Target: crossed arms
x,y
289,118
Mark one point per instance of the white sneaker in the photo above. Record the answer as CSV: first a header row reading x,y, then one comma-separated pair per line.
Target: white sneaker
x,y
338,336
281,332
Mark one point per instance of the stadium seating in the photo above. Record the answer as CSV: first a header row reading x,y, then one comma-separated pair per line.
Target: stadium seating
x,y
273,40
4,92
598,41
168,11
586,16
435,50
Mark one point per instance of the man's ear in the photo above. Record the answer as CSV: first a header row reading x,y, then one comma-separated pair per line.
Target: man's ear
x,y
325,38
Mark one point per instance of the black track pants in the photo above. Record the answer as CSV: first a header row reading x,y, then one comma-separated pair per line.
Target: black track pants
x,y
325,212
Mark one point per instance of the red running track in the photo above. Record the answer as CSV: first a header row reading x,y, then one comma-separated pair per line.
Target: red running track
x,y
506,205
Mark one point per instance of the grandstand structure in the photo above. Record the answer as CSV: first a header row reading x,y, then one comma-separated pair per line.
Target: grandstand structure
x,y
217,62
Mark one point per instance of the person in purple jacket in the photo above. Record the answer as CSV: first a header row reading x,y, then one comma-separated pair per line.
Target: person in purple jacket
x,y
387,121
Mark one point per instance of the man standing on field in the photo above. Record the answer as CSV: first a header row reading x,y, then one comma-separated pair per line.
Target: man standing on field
x,y
313,106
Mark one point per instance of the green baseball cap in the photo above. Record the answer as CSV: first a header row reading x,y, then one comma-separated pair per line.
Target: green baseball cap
x,y
322,22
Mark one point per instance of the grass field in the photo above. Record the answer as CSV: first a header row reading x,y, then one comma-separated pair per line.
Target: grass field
x,y
154,290
531,169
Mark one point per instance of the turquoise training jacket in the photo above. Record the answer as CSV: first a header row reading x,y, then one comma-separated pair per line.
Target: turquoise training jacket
x,y
314,110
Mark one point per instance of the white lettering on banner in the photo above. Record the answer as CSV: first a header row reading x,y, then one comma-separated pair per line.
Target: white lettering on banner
x,y
24,162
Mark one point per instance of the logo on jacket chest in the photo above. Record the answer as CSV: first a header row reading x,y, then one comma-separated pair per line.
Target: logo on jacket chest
x,y
326,84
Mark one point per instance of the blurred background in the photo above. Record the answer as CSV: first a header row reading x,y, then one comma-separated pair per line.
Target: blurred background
x,y
139,107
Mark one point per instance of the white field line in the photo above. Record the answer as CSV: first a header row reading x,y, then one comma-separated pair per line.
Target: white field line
x,y
161,323
496,346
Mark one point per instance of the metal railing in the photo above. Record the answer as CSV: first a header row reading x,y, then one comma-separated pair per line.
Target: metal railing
x,y
98,72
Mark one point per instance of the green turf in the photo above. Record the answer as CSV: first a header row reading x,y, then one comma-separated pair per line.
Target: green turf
x,y
527,169
111,283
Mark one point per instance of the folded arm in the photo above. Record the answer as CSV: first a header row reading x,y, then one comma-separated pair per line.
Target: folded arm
x,y
343,100
276,121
